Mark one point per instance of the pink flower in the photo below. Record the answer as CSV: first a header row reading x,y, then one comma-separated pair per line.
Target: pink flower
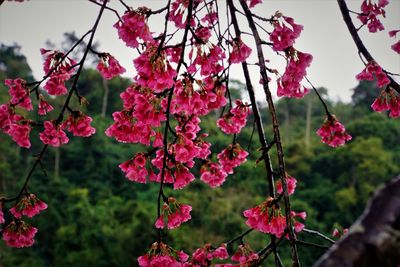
x,y
183,177
395,46
209,63
109,67
133,27
53,135
20,134
177,11
221,252
370,13
212,174
202,256
285,33
337,233
161,255
289,84
135,168
28,205
245,254
44,107
231,157
60,69
19,234
153,70
373,68
158,140
266,218
79,124
333,132
235,120
175,212
19,93
291,185
240,52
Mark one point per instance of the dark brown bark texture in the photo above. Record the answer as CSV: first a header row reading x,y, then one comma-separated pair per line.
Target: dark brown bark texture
x,y
374,239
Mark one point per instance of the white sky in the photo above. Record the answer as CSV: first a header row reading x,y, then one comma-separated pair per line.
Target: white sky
x,y
325,35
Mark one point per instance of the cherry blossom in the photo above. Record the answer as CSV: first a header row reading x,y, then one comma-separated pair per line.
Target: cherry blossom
x,y
135,168
175,213
19,234
245,255
285,33
79,124
289,84
109,67
231,157
161,254
387,100
333,132
53,135
370,13
29,205
372,69
44,107
235,119
19,92
395,46
240,52
291,185
212,174
133,27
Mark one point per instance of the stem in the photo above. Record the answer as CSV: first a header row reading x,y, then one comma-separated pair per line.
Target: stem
x,y
271,107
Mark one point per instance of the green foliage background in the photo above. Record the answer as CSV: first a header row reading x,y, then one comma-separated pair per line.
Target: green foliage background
x,y
96,217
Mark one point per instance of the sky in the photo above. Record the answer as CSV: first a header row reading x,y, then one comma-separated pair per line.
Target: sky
x,y
336,62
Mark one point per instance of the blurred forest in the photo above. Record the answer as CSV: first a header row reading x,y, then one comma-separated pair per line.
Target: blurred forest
x,y
96,217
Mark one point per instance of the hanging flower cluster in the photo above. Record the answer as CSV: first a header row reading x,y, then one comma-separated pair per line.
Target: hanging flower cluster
x,y
333,132
371,11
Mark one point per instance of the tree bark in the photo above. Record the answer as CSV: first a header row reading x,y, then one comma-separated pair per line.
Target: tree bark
x,y
374,239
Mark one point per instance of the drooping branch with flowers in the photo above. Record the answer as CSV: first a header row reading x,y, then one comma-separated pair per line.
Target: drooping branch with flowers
x,y
183,75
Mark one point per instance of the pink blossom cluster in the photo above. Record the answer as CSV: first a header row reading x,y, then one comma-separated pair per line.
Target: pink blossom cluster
x,y
289,84
109,67
15,126
79,124
387,100
231,157
291,185
135,168
240,52
44,107
395,46
133,27
59,68
244,255
371,12
267,218
153,69
161,254
333,132
188,101
53,134
285,32
142,111
212,174
19,92
209,63
19,234
177,11
235,120
203,256
175,213
29,205
372,69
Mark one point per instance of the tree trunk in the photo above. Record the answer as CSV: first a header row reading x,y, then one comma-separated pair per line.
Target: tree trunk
x,y
374,239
